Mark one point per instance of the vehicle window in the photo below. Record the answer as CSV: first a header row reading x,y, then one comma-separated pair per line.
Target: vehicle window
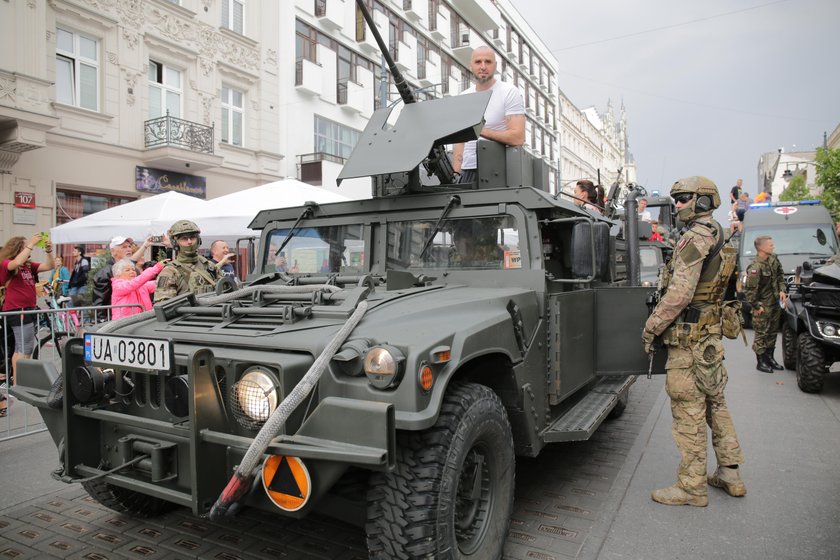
x,y
792,240
649,257
465,243
328,249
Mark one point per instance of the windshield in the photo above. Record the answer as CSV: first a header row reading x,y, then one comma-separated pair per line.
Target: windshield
x,y
327,249
793,240
465,243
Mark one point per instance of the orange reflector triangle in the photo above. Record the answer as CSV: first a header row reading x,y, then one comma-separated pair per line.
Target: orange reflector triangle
x,y
286,481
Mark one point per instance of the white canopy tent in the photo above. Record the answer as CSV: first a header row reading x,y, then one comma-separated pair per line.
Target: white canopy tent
x,y
138,219
228,216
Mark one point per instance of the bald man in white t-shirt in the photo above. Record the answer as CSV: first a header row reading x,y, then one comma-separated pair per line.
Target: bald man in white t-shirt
x,y
504,118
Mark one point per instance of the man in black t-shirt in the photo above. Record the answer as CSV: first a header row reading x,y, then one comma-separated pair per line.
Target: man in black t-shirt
x,y
735,193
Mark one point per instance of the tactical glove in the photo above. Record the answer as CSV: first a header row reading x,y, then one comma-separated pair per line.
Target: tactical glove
x,y
647,339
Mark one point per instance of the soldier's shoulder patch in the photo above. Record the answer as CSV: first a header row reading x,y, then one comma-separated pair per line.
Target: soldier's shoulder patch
x,y
689,254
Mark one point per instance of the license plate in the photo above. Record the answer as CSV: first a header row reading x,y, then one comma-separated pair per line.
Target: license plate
x,y
130,352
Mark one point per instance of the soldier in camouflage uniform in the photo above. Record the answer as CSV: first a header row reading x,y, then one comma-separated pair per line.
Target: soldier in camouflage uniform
x,y
188,271
764,287
688,318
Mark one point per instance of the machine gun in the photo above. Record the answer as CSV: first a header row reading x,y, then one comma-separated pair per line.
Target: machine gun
x,y
611,206
437,163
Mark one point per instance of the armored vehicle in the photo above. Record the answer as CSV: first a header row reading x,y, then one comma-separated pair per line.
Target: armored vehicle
x,y
811,327
800,230
428,336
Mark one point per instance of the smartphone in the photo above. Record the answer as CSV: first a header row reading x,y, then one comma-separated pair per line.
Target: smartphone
x,y
45,238
156,239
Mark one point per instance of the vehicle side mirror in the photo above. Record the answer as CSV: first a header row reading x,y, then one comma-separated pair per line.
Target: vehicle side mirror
x,y
821,238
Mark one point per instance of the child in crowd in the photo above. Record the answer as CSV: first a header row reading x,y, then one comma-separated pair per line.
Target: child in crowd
x,y
129,288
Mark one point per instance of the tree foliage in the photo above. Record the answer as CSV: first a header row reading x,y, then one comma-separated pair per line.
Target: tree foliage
x,y
796,190
828,177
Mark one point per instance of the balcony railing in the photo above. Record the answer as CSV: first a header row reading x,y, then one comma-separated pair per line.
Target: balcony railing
x,y
319,156
171,131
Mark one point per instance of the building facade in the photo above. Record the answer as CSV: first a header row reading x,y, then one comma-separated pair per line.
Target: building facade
x,y
105,101
593,145
776,169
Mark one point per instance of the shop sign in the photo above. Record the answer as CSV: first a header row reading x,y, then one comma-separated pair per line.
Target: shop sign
x,y
157,181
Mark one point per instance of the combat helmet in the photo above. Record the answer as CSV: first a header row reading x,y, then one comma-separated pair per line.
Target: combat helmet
x,y
706,196
181,227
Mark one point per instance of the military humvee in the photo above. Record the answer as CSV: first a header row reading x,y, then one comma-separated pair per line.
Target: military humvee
x,y
421,340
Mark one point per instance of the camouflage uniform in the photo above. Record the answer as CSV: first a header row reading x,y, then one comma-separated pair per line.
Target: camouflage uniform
x,y
189,271
178,278
765,279
688,319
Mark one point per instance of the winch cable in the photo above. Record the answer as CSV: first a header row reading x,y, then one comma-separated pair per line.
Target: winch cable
x,y
240,482
212,299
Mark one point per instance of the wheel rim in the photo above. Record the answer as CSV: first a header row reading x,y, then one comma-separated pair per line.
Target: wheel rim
x,y
474,498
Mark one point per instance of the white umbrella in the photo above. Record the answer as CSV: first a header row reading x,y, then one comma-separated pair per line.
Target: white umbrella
x,y
228,216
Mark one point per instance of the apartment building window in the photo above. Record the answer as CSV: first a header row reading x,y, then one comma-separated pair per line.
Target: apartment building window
x,y
434,7
346,73
233,15
305,41
233,115
164,90
77,69
422,56
445,72
334,138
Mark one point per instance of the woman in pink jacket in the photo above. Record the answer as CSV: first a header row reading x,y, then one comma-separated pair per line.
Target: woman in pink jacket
x,y
129,288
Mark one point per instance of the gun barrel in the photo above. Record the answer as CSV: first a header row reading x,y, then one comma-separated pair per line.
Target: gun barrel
x,y
402,87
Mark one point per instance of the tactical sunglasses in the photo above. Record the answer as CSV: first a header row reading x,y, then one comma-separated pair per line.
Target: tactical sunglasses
x,y
683,198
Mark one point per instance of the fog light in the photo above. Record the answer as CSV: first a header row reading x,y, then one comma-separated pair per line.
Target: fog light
x,y
88,383
829,330
384,366
254,398
177,395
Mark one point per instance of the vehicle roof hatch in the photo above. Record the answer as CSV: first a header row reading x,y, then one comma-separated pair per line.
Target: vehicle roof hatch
x,y
384,149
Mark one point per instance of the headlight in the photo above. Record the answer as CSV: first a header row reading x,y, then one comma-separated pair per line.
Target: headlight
x,y
828,330
254,397
384,366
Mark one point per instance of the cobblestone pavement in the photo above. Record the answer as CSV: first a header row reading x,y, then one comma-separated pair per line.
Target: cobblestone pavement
x,y
565,502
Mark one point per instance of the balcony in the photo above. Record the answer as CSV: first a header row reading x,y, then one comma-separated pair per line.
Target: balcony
x,y
481,14
414,9
440,30
173,143
330,14
407,57
309,78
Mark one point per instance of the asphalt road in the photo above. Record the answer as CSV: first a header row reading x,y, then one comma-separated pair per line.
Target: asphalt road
x,y
588,500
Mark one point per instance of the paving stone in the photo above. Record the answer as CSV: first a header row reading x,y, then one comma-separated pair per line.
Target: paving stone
x,y
60,546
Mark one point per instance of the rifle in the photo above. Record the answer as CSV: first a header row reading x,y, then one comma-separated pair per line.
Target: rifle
x,y
437,163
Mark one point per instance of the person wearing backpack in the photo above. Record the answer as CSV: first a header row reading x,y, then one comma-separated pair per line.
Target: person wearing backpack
x,y
18,274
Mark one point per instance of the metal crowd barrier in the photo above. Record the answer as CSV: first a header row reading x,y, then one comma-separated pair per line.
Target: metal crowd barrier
x,y
22,419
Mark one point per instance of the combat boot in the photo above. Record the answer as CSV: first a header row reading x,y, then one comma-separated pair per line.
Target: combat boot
x,y
730,480
762,365
676,496
771,361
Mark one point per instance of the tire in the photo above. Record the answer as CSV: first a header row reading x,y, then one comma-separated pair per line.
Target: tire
x,y
126,501
811,365
620,406
788,347
422,508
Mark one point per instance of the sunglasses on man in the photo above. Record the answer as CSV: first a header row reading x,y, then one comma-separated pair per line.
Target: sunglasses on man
x,y
683,198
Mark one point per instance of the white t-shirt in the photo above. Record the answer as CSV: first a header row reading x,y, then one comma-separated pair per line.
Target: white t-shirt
x,y
505,100
645,216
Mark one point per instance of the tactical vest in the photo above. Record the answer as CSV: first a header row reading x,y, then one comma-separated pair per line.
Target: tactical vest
x,y
703,315
199,280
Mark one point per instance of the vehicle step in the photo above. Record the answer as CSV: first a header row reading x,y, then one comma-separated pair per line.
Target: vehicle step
x,y
580,421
